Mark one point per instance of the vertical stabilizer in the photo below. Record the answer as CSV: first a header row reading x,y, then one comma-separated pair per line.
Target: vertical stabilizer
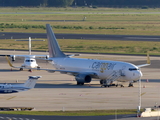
x,y
30,83
29,45
54,49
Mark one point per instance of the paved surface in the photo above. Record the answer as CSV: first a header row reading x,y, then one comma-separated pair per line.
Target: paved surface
x,y
8,35
55,91
36,117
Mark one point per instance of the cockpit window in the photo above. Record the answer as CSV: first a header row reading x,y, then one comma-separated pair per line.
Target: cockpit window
x,y
131,69
27,60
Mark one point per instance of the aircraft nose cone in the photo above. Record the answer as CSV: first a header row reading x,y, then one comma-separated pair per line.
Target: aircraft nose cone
x,y
138,74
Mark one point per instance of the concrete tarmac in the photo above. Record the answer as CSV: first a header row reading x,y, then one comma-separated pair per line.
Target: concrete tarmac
x,y
55,91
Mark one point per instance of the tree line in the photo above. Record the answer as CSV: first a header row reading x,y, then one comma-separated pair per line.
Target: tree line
x,y
116,2
35,3
65,3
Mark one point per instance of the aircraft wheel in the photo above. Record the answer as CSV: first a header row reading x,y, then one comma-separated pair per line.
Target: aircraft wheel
x,y
130,85
21,69
78,83
122,86
82,83
101,82
38,67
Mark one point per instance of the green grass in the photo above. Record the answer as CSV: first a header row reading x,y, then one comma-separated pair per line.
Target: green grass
x,y
128,24
97,23
90,46
73,113
79,9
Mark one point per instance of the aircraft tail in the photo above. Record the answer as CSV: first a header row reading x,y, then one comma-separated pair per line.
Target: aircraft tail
x,y
30,83
29,45
54,49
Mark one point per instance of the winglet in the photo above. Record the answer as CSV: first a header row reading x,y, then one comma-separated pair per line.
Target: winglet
x,y
148,59
9,62
148,62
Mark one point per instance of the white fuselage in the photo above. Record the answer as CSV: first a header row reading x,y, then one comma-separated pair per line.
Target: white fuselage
x,y
103,68
29,63
12,88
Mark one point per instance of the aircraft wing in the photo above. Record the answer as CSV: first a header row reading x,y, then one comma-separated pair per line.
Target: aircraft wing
x,y
143,65
148,62
32,56
10,63
94,75
74,73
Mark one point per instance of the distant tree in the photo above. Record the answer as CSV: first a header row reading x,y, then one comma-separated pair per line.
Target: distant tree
x,y
65,3
60,3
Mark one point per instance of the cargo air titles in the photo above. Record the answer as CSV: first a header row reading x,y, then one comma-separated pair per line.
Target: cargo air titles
x,y
102,66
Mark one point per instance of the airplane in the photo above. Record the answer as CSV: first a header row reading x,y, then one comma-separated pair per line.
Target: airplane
x,y
85,70
13,88
29,61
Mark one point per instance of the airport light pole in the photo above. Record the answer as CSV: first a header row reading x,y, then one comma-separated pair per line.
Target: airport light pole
x,y
139,105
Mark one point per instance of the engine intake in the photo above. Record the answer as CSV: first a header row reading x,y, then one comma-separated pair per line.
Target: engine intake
x,y
13,57
82,78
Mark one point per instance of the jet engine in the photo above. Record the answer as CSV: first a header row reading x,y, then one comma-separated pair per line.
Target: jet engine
x,y
47,56
13,57
83,78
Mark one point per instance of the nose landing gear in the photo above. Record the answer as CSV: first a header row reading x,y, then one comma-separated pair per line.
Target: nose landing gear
x,y
130,85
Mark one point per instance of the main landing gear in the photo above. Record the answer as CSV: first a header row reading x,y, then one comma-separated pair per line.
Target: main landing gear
x,y
105,83
21,69
80,83
38,67
130,85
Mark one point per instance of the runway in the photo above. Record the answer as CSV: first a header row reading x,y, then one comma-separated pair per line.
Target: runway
x,y
9,35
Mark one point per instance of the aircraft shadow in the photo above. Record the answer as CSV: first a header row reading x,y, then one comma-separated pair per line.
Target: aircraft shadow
x,y
69,85
151,80
8,70
65,85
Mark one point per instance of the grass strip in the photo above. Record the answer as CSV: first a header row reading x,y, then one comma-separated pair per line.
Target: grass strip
x,y
73,113
89,46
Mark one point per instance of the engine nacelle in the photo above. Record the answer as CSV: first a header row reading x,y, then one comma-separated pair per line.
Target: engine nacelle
x,y
82,78
13,57
47,56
